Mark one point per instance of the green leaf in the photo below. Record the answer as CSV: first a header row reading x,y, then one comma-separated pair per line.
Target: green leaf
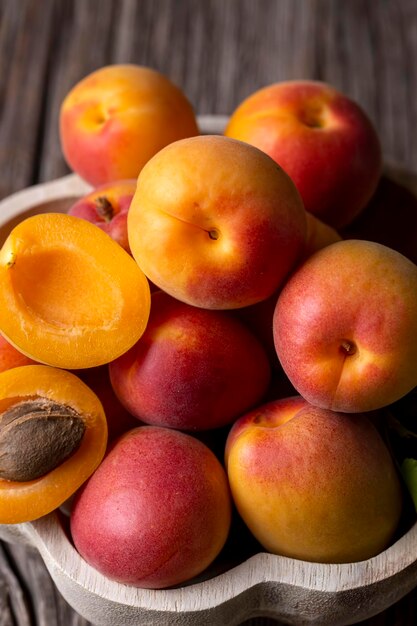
x,y
409,473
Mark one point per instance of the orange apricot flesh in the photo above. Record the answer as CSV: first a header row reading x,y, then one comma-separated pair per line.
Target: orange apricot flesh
x,y
70,296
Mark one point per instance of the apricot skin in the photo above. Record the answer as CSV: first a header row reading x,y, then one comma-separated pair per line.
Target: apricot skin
x,y
259,316
192,369
106,207
156,512
10,357
319,235
119,420
230,222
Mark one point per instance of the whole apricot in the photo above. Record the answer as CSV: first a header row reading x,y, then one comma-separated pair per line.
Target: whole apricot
x,y
116,118
156,512
323,139
313,484
215,222
192,369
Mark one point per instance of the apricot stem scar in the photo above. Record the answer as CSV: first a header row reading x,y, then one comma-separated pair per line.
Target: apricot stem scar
x,y
348,347
104,208
312,117
213,233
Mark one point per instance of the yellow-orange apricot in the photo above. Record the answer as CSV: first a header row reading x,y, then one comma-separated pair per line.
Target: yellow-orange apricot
x,y
116,118
215,222
70,296
23,390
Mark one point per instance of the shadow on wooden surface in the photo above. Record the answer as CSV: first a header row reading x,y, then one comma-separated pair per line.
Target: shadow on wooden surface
x,y
390,218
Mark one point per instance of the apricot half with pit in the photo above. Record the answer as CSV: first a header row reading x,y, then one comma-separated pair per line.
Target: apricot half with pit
x,y
70,296
53,435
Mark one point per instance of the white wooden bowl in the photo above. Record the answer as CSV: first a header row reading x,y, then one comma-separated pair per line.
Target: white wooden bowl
x,y
293,591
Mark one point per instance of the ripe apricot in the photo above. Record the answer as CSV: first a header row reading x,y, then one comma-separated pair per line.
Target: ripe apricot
x,y
323,139
157,511
193,369
70,296
53,435
116,118
216,223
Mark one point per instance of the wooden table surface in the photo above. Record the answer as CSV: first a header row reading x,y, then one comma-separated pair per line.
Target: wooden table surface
x,y
218,52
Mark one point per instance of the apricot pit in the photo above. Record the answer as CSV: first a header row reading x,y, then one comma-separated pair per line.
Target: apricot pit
x,y
24,429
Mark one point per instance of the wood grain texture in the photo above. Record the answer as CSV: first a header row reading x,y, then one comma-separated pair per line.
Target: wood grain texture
x,y
218,52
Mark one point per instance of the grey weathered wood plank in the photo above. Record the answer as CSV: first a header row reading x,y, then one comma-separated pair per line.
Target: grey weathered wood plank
x,y
24,52
218,54
14,602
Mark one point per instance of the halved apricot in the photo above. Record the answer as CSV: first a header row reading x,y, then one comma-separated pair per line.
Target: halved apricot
x,y
70,296
53,435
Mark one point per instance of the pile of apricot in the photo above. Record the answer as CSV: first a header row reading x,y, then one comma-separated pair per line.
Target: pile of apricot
x,y
201,288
